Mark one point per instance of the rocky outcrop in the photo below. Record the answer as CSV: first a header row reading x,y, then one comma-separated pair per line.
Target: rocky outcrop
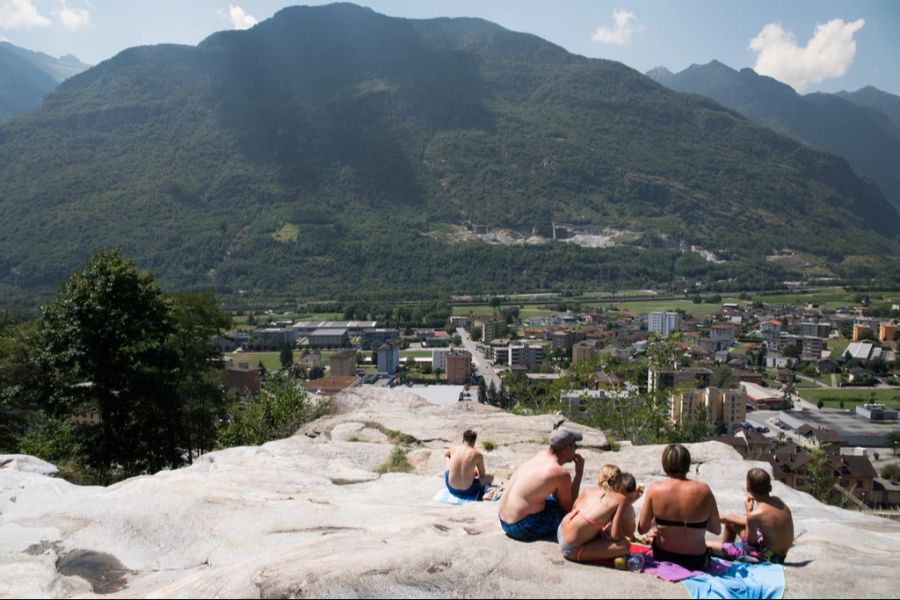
x,y
311,516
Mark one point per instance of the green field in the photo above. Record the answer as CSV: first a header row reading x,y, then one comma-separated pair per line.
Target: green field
x,y
416,353
270,360
830,297
851,396
289,233
837,347
688,306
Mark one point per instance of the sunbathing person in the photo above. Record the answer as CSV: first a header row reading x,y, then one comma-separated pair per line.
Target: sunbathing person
x,y
682,512
465,476
541,491
597,527
765,532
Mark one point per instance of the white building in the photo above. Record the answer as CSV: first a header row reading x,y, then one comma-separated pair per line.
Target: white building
x,y
439,358
663,323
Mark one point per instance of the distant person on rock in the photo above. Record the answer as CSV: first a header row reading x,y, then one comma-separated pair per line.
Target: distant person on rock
x,y
465,476
601,520
765,532
541,491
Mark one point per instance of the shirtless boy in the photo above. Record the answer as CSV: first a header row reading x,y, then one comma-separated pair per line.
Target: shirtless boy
x,y
765,532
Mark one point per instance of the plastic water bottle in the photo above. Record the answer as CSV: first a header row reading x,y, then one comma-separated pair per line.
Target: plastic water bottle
x,y
635,562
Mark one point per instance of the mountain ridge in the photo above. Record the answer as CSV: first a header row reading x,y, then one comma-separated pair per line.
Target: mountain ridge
x,y
863,135
366,132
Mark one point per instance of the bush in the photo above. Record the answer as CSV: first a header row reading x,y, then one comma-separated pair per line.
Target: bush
x,y
283,407
891,472
489,445
396,462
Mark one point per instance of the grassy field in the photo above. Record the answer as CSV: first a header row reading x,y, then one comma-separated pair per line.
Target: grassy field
x,y
270,360
831,297
688,306
851,396
837,347
416,353
288,233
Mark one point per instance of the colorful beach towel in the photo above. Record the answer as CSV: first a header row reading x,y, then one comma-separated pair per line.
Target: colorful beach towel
x,y
740,580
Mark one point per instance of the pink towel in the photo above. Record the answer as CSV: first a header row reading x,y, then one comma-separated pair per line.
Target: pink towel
x,y
672,572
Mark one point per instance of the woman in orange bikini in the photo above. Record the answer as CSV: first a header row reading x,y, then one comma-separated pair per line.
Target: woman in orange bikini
x,y
581,534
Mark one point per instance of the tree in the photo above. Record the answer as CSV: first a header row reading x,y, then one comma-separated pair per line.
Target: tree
x,y
286,356
482,390
104,346
819,474
197,316
283,406
723,378
893,440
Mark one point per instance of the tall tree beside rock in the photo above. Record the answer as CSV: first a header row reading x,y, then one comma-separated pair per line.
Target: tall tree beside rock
x,y
131,370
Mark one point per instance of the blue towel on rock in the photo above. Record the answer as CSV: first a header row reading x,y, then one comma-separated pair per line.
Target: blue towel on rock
x,y
741,580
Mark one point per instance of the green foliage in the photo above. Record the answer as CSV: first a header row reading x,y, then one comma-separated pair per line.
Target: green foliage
x,y
208,150
396,462
105,348
65,443
117,379
891,472
489,445
819,475
723,378
282,408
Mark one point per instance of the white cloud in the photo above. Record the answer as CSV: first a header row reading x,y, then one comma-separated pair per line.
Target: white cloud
x,y
829,53
20,14
627,25
72,19
239,18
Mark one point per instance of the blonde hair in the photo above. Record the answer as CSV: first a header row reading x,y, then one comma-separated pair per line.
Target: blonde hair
x,y
607,474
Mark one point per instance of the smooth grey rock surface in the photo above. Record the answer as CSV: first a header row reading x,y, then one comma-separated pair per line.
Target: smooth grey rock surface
x,y
309,516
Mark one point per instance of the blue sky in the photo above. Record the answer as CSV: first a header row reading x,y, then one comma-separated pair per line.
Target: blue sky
x,y
821,45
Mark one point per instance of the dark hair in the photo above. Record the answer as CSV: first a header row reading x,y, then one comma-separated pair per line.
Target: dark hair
x,y
759,482
676,460
625,483
470,436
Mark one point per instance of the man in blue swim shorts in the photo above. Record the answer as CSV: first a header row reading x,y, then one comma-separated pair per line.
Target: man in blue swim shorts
x,y
465,477
542,491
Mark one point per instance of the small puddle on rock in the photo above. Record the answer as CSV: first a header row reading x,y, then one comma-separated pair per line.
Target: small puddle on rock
x,y
103,571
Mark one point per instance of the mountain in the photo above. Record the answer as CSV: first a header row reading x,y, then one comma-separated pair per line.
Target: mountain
x,y
872,97
866,137
26,77
330,150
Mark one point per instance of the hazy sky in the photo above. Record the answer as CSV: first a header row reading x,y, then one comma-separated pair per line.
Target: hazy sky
x,y
813,45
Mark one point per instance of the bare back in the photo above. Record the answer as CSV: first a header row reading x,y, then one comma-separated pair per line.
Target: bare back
x,y
466,463
773,518
593,507
684,501
537,478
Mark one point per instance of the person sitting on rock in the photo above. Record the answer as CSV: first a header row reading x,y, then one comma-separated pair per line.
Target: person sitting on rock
x,y
680,512
765,532
541,491
598,526
465,476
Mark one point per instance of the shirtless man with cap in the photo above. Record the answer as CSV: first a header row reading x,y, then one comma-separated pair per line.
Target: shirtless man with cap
x,y
541,491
